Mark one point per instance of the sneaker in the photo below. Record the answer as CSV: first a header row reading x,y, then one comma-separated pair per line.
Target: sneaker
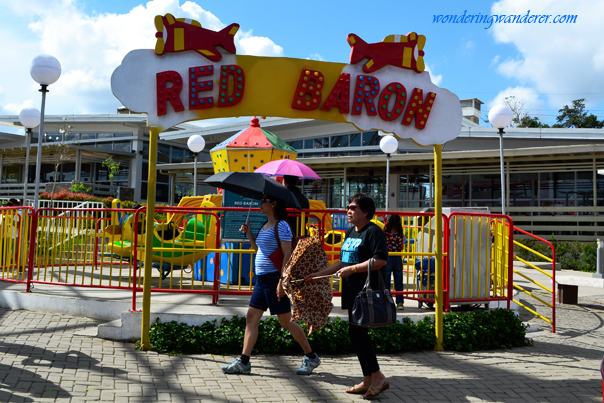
x,y
237,367
400,306
308,365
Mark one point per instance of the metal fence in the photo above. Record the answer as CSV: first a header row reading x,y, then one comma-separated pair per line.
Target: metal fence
x,y
105,248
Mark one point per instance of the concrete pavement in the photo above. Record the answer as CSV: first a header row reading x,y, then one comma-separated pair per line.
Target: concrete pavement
x,y
44,358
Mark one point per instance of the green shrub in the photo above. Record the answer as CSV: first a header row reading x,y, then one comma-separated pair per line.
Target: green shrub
x,y
570,255
462,332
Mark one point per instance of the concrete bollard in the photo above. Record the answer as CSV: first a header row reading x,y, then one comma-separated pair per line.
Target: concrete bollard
x,y
599,260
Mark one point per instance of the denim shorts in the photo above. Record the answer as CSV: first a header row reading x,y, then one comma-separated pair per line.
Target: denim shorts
x,y
264,295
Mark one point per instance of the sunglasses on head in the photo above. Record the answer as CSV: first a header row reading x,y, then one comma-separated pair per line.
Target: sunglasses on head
x,y
351,207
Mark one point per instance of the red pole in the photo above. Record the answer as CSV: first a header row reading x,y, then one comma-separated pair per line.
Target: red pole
x,y
32,247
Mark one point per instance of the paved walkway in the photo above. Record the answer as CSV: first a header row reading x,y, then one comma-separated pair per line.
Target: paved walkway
x,y
43,360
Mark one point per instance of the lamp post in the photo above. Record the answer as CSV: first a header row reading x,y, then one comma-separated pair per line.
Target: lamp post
x,y
45,70
196,144
29,118
500,117
388,145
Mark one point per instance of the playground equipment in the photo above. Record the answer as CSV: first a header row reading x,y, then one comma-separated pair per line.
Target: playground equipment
x,y
181,240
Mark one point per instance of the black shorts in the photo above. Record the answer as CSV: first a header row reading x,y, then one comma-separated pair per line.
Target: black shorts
x,y
264,295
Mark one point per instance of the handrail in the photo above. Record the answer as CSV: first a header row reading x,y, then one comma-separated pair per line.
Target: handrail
x,y
552,276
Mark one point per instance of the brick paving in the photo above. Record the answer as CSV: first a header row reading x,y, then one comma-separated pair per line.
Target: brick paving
x,y
43,360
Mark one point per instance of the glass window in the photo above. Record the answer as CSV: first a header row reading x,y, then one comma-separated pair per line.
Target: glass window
x,y
486,187
340,141
85,173
146,150
106,145
123,134
122,175
177,155
70,136
68,172
163,154
322,142
51,137
585,188
161,178
371,138
522,189
145,173
122,146
102,174
355,140
455,187
105,135
162,193
298,144
189,157
87,136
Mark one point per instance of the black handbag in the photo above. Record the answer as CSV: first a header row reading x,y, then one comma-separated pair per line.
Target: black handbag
x,y
373,308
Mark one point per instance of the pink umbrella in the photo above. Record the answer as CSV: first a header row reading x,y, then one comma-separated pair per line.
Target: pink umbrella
x,y
288,167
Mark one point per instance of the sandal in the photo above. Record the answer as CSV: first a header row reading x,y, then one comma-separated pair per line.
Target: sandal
x,y
357,389
374,391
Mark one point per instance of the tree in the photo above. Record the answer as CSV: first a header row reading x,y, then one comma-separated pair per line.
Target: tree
x,y
517,107
527,121
577,117
59,151
112,166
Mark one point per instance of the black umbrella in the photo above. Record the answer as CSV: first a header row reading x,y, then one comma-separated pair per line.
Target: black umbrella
x,y
253,186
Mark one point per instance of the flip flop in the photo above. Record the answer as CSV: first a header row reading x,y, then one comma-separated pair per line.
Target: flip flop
x,y
357,390
374,391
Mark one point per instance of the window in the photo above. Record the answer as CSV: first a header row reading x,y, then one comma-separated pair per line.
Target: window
x,y
106,145
340,141
87,136
322,142
163,154
177,155
105,135
371,138
122,146
298,144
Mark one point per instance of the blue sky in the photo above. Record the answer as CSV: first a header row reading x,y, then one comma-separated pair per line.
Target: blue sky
x,y
544,65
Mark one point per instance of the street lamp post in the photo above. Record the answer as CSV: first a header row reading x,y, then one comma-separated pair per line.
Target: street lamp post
x,y
45,70
388,145
196,144
29,118
500,116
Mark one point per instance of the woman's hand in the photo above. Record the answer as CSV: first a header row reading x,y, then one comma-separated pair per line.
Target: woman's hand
x,y
346,271
246,229
280,290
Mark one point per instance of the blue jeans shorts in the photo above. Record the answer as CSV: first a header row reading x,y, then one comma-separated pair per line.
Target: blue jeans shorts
x,y
264,295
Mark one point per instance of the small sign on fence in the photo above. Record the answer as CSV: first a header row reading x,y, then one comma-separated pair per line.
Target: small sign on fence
x,y
232,220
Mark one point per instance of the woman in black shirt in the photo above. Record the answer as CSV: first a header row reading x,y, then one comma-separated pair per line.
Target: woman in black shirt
x,y
364,240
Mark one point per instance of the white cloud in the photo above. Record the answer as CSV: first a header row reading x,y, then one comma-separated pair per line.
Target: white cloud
x,y
494,61
525,96
563,61
15,109
316,56
89,47
436,79
256,45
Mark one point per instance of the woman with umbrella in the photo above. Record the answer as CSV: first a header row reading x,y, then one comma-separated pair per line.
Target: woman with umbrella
x,y
268,292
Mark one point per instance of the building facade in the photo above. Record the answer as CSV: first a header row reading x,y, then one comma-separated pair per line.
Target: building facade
x,y
553,184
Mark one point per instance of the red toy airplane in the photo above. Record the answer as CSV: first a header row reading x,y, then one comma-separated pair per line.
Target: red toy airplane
x,y
181,34
404,51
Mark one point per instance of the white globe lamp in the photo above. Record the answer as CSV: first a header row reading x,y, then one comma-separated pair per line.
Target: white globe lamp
x,y
45,69
196,144
388,145
501,116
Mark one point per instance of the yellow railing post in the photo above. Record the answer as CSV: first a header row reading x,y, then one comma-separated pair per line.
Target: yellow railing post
x,y
438,246
151,182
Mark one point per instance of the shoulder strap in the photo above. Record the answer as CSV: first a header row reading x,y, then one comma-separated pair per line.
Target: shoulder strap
x,y
277,234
